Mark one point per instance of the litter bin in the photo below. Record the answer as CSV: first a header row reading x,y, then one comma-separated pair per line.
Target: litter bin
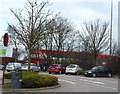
x,y
16,80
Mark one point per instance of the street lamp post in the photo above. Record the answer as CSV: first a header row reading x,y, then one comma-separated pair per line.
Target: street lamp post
x,y
111,30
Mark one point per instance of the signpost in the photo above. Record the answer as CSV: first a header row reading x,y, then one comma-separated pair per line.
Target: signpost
x,y
5,44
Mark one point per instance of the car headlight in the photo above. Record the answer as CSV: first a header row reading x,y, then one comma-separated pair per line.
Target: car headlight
x,y
89,72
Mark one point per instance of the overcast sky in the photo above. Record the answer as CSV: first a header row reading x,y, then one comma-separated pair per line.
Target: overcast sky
x,y
77,11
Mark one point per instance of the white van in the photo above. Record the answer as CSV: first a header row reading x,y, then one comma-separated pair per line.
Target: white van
x,y
13,66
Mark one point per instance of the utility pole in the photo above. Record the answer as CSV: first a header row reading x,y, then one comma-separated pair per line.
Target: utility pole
x,y
111,30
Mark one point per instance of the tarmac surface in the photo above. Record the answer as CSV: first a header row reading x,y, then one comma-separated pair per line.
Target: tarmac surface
x,y
74,83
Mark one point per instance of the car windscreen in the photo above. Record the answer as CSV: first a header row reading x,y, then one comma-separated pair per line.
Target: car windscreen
x,y
106,68
94,68
24,64
33,64
10,64
53,65
71,66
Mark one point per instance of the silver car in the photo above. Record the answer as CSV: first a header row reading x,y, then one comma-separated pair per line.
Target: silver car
x,y
33,67
73,69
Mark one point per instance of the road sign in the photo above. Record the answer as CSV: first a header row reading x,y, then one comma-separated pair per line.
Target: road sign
x,y
6,51
2,52
6,39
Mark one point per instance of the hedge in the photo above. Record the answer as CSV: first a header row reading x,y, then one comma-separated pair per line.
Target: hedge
x,y
81,72
8,75
35,80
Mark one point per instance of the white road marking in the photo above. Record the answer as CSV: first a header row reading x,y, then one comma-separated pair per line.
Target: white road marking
x,y
93,78
90,78
66,81
96,83
101,86
92,81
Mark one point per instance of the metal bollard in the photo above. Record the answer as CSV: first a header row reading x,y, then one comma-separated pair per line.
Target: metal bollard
x,y
16,80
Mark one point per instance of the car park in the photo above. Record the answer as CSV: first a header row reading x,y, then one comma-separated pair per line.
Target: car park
x,y
1,67
73,69
13,66
99,71
33,67
56,68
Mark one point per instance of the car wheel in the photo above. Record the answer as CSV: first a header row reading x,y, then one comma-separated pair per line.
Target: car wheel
x,y
31,70
66,73
60,72
8,70
49,72
94,75
109,75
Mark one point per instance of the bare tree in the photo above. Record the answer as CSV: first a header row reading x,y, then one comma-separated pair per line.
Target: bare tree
x,y
14,41
118,51
95,38
62,29
115,49
61,37
31,25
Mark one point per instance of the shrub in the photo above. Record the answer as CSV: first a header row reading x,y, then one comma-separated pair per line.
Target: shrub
x,y
25,72
81,72
8,76
35,81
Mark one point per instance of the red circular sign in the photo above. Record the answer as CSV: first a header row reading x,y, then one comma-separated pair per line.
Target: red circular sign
x,y
6,39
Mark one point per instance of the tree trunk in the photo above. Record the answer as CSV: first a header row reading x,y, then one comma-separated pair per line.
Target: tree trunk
x,y
29,61
95,60
58,56
16,54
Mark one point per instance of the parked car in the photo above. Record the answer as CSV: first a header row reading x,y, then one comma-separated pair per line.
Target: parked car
x,y
1,66
73,69
56,68
33,67
13,66
99,71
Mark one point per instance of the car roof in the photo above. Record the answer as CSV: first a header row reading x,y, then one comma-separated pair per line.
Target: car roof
x,y
27,63
101,66
56,64
13,62
72,64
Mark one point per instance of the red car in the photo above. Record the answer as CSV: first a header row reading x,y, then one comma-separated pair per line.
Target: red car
x,y
56,68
